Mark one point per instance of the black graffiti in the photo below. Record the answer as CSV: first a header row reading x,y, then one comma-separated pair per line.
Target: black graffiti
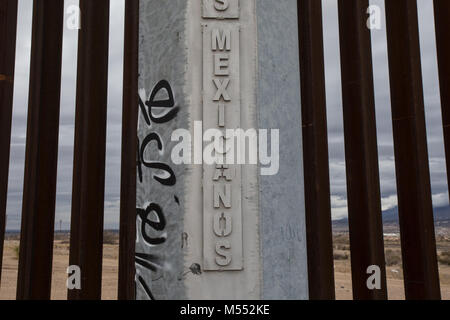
x,y
144,112
171,181
159,225
168,103
138,161
147,290
152,218
148,261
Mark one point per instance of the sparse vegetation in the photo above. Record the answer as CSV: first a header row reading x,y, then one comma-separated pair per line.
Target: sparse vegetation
x,y
110,237
12,236
342,247
16,252
393,257
340,255
62,236
341,239
342,265
444,258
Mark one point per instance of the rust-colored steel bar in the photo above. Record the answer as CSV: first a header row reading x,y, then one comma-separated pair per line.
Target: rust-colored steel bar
x,y
361,151
41,158
126,290
442,22
8,28
315,151
420,268
86,235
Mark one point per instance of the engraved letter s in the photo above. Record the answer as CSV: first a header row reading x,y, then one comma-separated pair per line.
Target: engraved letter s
x,y
222,250
221,5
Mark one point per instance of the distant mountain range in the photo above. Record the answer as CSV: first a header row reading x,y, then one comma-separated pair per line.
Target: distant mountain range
x,y
440,214
391,216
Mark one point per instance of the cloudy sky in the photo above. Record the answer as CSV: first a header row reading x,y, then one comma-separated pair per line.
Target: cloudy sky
x,y
334,99
383,109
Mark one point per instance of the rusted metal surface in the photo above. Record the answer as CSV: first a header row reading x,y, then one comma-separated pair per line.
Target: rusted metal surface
x,y
8,28
411,153
41,159
86,237
315,151
129,150
442,21
361,151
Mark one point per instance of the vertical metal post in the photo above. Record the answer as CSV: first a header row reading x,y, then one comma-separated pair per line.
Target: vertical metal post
x,y
361,151
8,27
86,236
411,153
41,160
129,150
315,151
442,22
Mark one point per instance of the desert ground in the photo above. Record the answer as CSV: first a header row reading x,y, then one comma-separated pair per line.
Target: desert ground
x,y
110,267
60,263
394,270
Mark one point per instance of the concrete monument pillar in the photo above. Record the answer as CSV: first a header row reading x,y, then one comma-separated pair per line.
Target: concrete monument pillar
x,y
220,199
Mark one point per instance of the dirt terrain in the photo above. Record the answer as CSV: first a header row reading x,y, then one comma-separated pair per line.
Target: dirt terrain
x,y
110,267
394,270
60,263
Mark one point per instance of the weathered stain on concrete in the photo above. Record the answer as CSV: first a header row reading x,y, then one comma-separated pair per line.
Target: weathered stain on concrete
x,y
163,57
274,236
281,196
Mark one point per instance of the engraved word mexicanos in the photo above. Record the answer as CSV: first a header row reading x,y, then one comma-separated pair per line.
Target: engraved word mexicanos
x,y
222,208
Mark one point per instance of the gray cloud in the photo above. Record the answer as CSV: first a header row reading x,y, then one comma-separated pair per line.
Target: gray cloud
x,y
383,109
67,118
334,110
